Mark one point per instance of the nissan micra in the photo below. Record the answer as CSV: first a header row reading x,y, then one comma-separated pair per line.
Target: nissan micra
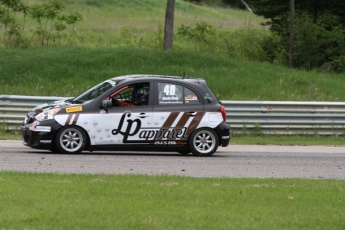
x,y
132,112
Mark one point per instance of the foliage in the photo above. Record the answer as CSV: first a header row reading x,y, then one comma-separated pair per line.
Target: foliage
x,y
245,44
319,31
12,32
48,15
201,36
3,127
319,42
232,3
208,2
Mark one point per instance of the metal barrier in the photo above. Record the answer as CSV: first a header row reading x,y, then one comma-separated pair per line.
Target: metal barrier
x,y
261,117
285,117
13,108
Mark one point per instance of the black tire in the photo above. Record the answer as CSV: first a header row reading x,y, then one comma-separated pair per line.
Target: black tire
x,y
53,148
203,142
71,139
184,152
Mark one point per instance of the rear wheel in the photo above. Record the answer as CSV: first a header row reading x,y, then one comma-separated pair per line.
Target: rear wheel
x,y
71,140
203,142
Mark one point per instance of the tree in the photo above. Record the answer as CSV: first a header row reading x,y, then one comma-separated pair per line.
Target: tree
x,y
169,25
311,48
292,31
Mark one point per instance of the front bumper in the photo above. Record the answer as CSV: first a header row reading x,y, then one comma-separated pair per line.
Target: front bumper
x,y
39,139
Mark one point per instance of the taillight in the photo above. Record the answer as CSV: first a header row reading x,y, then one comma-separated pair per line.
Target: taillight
x,y
222,110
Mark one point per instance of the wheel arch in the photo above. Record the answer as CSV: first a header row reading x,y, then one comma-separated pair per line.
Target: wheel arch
x,y
88,143
204,148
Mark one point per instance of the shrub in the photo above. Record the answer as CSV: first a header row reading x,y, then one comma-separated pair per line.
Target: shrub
x,y
245,44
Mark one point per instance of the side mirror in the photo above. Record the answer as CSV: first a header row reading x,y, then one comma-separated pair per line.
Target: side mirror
x,y
107,103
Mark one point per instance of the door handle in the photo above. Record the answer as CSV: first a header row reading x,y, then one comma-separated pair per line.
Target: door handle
x,y
143,115
192,114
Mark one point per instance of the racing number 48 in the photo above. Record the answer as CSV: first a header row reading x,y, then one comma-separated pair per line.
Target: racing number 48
x,y
169,89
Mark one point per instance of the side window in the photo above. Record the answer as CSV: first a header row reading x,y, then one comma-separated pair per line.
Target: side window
x,y
190,97
169,94
132,95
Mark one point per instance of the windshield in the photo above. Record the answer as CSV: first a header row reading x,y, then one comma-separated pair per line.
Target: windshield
x,y
94,92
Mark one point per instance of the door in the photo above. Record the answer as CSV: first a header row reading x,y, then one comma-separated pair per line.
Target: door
x,y
127,119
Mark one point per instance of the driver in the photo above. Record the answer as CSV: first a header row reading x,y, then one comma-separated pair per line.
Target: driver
x,y
141,96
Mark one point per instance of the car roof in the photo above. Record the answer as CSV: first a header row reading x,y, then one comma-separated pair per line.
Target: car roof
x,y
161,77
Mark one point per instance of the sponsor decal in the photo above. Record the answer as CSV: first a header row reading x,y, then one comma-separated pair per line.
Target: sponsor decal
x,y
43,129
133,127
191,97
226,137
74,109
130,123
46,141
163,134
208,97
168,143
170,98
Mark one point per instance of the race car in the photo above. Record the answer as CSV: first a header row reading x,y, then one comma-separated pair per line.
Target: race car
x,y
132,112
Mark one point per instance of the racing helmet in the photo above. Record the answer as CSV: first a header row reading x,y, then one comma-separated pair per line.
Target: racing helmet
x,y
141,96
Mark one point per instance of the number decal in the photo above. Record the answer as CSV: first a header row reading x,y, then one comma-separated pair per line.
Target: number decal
x,y
169,90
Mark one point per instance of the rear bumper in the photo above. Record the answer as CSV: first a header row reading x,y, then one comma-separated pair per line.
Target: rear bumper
x,y
224,133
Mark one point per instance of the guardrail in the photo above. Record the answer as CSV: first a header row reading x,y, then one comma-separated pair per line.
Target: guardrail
x,y
261,117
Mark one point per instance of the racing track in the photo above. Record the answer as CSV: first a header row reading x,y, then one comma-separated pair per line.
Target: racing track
x,y
232,161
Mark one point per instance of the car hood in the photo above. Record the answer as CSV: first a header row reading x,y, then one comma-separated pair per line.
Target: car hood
x,y
53,104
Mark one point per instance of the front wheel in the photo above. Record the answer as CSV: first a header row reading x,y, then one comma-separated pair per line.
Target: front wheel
x,y
71,140
203,142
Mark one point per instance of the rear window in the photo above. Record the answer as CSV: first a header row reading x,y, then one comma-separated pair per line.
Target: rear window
x,y
169,94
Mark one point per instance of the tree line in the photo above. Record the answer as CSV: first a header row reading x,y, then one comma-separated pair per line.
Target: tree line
x,y
304,34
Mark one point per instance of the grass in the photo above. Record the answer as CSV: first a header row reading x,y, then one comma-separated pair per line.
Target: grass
x,y
68,71
302,140
70,201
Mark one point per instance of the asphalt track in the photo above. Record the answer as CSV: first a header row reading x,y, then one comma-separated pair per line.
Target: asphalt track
x,y
233,161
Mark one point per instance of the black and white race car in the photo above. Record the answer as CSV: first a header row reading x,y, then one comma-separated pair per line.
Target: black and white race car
x,y
133,112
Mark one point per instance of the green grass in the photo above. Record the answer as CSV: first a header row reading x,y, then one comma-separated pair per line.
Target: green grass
x,y
301,140
69,201
68,71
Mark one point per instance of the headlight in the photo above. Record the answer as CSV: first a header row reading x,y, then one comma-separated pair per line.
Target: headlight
x,y
47,115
